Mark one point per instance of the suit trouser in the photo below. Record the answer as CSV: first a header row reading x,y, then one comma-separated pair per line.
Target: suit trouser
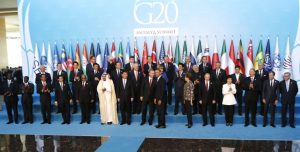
x,y
229,110
1,101
27,109
250,106
65,111
196,106
188,107
179,99
85,111
161,113
170,86
74,104
46,107
285,106
136,105
165,99
269,105
208,107
262,105
144,110
11,106
219,99
93,104
239,99
125,108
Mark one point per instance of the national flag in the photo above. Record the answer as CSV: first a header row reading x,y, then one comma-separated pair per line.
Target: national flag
x,y
127,52
92,50
177,54
77,55
231,63
240,58
153,55
192,53
113,51
224,64
170,51
70,59
136,53
120,54
249,59
36,63
98,55
106,57
56,59
268,61
215,57
277,61
64,58
49,66
206,51
145,55
43,55
162,53
259,59
287,61
84,59
184,51
199,53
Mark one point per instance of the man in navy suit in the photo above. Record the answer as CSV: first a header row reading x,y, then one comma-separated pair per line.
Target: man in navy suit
x,y
75,79
262,75
205,67
11,98
179,85
94,78
219,78
270,94
90,66
27,90
237,79
188,66
129,66
288,91
44,89
169,69
56,74
159,98
125,94
136,77
43,71
149,65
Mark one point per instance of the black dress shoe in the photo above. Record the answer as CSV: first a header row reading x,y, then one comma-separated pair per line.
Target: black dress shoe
x,y
273,125
24,122
189,126
142,123
230,124
162,126
44,122
204,124
175,113
264,125
246,125
17,122
49,122
102,123
88,122
9,122
157,126
213,125
109,123
63,123
219,113
122,123
254,125
31,122
74,112
150,123
128,123
283,126
227,124
82,122
292,126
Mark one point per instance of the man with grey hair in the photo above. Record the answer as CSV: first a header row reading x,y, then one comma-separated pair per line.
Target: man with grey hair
x,y
43,71
288,90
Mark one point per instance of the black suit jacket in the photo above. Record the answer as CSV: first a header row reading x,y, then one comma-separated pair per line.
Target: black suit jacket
x,y
55,77
288,96
27,91
251,94
38,78
115,77
136,82
186,69
270,94
179,83
125,93
73,75
220,79
147,68
204,70
10,91
92,76
148,91
262,77
169,71
239,87
207,96
89,69
160,89
44,96
62,95
85,93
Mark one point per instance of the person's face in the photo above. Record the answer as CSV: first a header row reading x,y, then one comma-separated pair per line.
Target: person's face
x,y
157,73
118,65
186,79
125,75
60,79
207,77
229,80
136,67
260,66
204,60
83,78
43,69
93,60
96,67
104,78
59,67
187,60
26,79
237,70
76,66
251,73
218,65
286,77
131,60
196,69
166,59
43,78
180,67
149,59
151,74
271,76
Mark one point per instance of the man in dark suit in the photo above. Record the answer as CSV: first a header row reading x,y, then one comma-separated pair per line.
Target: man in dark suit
x,y
159,99
63,97
44,88
111,65
56,74
170,70
94,78
179,85
42,71
196,79
90,66
11,98
27,90
207,99
75,78
205,67
252,87
188,66
147,97
219,78
262,75
136,77
85,98
237,79
116,76
129,66
288,90
125,94
149,65
270,95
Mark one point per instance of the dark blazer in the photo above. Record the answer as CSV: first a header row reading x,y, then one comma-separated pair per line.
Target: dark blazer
x,y
85,93
270,94
170,71
204,70
89,68
73,75
179,83
251,94
148,91
186,69
115,77
207,96
219,80
111,67
136,82
11,89
147,68
55,77
160,89
62,95
262,78
92,77
44,96
125,93
38,78
239,87
288,96
27,91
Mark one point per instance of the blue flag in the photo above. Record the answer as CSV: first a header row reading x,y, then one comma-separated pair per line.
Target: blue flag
x,y
267,61
98,55
64,57
106,56
55,57
127,52
162,53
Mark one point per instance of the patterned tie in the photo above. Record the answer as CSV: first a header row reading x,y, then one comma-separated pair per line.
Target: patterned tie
x,y
206,85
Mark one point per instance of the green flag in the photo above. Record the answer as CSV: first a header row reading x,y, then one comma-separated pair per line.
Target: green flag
x,y
199,52
121,54
177,54
259,59
184,51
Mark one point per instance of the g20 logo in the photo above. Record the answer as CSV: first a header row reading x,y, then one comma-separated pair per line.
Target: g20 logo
x,y
155,12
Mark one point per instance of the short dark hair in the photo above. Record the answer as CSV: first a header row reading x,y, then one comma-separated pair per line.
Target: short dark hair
x,y
229,77
41,74
76,62
92,56
181,64
189,76
60,76
237,66
272,72
131,57
95,64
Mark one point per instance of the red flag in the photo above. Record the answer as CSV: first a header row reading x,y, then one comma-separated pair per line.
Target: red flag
x,y
249,58
231,63
240,58
84,58
113,51
70,63
215,57
154,52
145,55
